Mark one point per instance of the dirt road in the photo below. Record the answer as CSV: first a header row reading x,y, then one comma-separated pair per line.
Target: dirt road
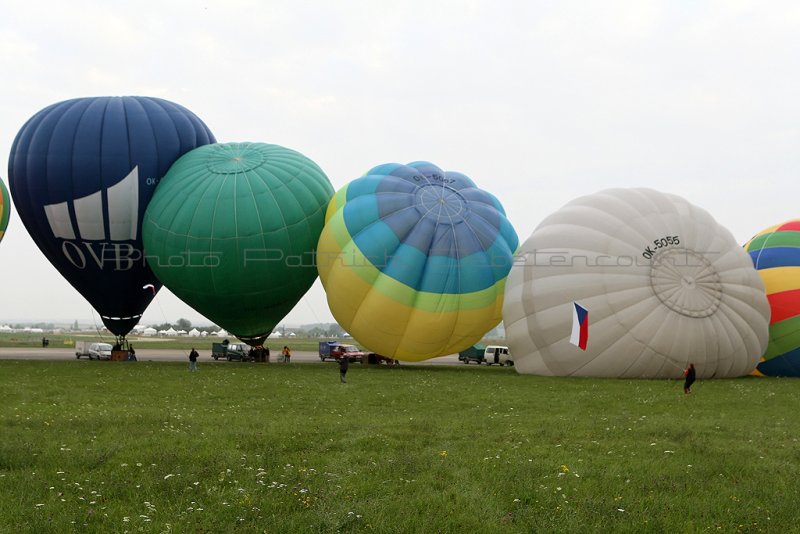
x,y
172,355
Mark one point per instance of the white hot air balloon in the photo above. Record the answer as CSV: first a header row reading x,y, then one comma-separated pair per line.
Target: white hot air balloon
x,y
658,284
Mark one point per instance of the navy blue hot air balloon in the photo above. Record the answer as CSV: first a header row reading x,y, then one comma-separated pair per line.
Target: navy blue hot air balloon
x,y
81,174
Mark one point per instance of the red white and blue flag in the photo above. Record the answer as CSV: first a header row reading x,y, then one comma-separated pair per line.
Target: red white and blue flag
x,y
580,326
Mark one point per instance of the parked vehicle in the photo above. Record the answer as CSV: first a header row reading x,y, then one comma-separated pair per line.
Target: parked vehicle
x,y
93,349
497,354
231,351
82,348
472,354
334,350
490,355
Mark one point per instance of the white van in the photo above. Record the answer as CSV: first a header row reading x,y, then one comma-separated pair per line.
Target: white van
x,y
497,354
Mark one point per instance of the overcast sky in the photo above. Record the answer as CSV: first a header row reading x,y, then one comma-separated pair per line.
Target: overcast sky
x,y
538,102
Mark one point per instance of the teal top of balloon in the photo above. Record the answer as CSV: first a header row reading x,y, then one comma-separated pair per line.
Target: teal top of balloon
x,y
232,230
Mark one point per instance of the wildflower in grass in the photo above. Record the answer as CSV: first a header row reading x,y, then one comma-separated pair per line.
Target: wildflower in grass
x,y
443,454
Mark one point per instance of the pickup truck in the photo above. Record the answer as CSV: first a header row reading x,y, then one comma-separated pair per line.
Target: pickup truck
x,y
230,351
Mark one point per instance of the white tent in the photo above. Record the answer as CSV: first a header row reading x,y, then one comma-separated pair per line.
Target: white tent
x,y
149,331
171,332
273,335
194,332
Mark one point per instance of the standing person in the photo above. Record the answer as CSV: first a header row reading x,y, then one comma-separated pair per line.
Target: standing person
x,y
344,363
287,354
193,360
690,374
131,354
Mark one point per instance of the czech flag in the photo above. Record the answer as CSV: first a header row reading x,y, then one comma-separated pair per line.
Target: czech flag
x,y
580,326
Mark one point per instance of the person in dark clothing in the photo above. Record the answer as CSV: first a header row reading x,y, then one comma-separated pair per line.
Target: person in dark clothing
x,y
344,363
689,372
193,360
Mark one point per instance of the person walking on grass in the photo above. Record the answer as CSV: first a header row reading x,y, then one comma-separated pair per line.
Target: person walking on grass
x,y
287,354
690,375
344,363
193,360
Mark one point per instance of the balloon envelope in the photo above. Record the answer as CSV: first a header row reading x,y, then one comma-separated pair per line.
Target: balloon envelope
x,y
414,260
645,281
5,209
82,173
232,231
776,255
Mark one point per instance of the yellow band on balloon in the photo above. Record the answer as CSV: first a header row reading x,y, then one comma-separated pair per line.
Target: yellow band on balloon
x,y
780,279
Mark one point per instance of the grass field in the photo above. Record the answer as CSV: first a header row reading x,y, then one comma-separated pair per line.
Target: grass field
x,y
150,447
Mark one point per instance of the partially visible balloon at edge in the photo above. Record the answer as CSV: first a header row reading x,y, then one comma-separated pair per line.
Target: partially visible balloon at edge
x,y
5,209
775,252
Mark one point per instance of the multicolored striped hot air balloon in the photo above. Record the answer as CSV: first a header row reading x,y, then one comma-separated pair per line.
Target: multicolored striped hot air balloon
x,y
5,209
414,260
776,255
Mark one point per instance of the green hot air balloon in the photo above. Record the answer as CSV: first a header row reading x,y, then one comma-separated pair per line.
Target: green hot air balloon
x,y
232,230
5,209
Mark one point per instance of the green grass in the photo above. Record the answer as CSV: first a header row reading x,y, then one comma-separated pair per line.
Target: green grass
x,y
284,448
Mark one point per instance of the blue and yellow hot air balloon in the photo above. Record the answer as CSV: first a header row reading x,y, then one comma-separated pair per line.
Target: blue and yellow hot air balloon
x,y
5,209
776,255
414,260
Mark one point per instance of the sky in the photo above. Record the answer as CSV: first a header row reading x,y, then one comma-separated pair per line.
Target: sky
x,y
539,102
